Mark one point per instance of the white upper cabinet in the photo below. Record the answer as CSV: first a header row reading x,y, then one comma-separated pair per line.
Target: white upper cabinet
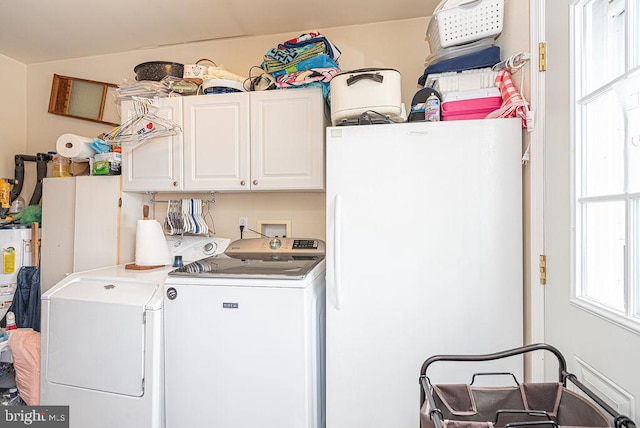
x,y
287,140
156,164
216,146
268,140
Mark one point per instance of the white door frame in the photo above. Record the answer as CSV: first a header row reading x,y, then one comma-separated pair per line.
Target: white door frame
x,y
536,197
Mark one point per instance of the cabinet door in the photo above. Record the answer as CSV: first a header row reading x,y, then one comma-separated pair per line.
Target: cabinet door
x,y
58,219
216,133
287,139
156,164
97,203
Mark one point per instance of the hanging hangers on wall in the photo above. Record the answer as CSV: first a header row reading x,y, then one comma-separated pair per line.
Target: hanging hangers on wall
x,y
143,126
190,216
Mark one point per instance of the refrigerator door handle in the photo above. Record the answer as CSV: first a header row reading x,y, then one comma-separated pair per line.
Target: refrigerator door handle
x,y
337,256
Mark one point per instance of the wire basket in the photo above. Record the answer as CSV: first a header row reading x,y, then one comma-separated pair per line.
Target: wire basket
x,y
465,22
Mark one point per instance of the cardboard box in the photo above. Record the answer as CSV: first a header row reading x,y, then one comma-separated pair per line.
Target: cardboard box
x,y
80,168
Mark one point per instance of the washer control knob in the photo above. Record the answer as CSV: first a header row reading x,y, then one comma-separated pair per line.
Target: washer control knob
x,y
209,248
275,243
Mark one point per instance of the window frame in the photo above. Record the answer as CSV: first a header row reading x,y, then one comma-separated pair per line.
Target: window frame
x,y
629,318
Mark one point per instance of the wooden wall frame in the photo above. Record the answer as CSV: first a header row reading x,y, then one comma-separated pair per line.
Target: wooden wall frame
x,y
82,99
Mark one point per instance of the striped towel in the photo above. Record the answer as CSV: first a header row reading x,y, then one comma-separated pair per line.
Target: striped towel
x,y
513,103
280,59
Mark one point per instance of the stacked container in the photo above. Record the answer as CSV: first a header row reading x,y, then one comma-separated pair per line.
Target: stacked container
x,y
461,36
456,22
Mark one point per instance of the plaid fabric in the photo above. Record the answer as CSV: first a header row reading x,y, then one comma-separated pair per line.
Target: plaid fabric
x,y
513,103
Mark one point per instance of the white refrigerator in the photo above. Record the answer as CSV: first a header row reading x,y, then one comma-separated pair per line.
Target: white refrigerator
x,y
424,257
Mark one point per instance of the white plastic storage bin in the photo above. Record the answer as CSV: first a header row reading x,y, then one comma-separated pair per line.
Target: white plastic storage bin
x,y
456,22
465,80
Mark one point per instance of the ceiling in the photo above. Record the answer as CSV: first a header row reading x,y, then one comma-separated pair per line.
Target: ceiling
x,y
33,31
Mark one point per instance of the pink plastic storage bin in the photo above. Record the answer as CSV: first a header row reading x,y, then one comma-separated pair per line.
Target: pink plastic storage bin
x,y
476,108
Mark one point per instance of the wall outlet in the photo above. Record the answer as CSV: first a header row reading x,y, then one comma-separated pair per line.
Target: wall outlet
x,y
243,221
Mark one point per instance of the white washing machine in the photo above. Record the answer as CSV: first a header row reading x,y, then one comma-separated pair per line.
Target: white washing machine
x,y
102,345
244,337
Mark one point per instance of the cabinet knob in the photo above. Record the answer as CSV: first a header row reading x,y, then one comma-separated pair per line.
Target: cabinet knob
x,y
175,184
242,183
255,182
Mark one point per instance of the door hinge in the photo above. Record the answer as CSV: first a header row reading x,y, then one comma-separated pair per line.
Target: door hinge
x,y
542,56
144,317
543,269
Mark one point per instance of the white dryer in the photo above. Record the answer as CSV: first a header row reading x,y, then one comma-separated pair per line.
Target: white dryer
x,y
102,346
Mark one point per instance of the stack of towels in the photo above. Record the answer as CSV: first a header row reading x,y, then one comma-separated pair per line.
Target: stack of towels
x,y
307,60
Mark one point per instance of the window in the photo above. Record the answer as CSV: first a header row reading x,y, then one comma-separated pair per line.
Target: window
x,y
606,137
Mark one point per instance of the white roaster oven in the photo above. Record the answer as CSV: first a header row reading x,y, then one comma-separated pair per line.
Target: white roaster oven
x,y
102,341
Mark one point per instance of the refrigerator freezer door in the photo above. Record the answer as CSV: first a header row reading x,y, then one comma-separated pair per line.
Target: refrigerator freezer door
x,y
424,257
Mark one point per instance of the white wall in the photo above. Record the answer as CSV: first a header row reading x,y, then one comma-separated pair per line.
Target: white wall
x,y
306,211
12,114
515,35
516,26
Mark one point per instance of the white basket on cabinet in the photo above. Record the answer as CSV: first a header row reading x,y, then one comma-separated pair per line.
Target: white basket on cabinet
x,y
455,22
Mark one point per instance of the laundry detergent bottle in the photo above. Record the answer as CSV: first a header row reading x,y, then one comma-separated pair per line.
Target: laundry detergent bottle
x,y
11,321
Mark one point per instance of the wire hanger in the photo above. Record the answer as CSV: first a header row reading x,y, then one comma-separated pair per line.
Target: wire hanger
x,y
143,126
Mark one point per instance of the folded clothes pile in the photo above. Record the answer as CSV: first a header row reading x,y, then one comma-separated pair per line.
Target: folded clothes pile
x,y
307,60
